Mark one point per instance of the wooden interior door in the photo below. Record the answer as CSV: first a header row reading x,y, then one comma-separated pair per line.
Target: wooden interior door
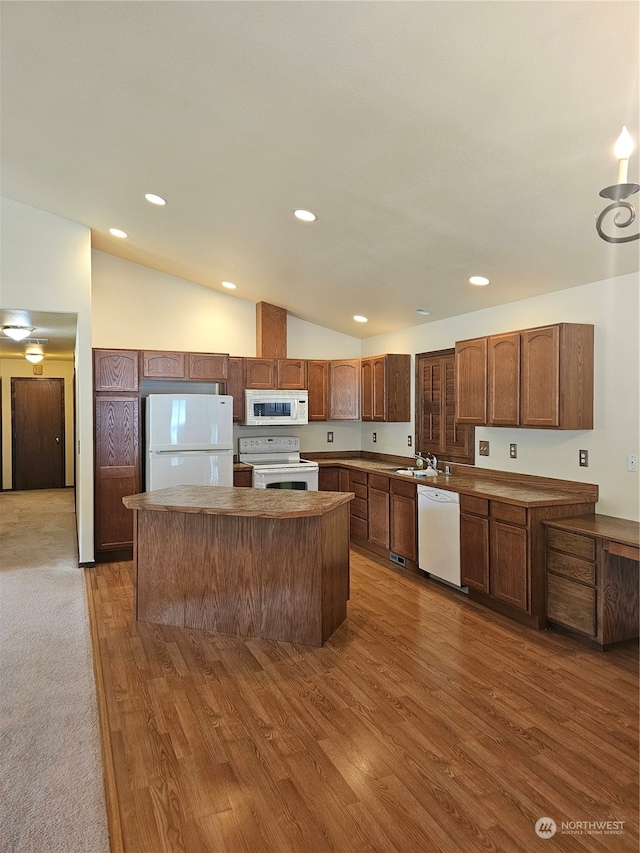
x,y
37,421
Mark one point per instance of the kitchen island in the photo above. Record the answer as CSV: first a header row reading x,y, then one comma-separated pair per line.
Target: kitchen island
x,y
260,563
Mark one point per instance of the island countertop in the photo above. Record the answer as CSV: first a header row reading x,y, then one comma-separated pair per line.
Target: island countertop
x,y
226,500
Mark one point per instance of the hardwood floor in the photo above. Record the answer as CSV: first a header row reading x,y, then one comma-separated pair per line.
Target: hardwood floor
x,y
426,723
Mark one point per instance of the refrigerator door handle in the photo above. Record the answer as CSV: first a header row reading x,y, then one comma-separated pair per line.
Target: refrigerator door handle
x,y
210,451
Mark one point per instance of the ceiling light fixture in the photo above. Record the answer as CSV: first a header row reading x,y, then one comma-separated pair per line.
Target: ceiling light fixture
x,y
116,232
360,319
34,357
155,199
619,192
479,280
304,215
423,311
18,333
229,285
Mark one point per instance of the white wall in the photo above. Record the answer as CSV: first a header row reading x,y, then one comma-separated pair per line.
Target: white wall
x,y
612,307
10,367
46,266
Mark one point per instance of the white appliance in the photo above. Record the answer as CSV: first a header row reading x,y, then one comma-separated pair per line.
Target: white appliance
x,y
189,440
275,408
439,534
277,464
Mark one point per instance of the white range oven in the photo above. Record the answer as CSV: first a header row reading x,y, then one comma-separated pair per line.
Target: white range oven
x,y
276,463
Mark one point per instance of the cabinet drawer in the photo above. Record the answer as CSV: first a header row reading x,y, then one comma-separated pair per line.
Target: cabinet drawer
x,y
476,506
358,477
378,482
359,490
572,543
359,527
399,487
571,567
358,507
571,604
509,513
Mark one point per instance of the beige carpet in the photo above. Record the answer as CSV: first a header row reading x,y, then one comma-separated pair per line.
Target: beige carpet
x,y
51,785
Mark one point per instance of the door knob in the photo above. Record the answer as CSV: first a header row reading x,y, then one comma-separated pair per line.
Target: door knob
x,y
57,440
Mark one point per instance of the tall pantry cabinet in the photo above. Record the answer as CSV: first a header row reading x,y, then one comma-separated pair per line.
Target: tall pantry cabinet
x,y
117,450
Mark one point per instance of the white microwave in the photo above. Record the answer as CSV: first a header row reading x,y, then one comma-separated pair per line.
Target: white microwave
x,y
264,408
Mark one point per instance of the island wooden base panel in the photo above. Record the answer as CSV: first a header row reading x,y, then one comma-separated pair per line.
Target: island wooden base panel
x,y
426,723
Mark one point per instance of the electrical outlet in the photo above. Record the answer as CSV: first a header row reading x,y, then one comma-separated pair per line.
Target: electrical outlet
x,y
409,441
375,437
513,451
329,437
483,448
584,458
632,462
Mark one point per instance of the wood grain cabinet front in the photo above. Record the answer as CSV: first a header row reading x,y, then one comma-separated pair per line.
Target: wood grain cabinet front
x,y
344,390
117,472
261,373
403,521
540,378
333,479
164,365
592,577
115,370
291,374
386,388
359,506
208,366
379,506
235,386
318,385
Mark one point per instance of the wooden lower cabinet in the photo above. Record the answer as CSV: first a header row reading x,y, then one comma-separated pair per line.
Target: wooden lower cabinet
x,y
359,506
379,506
502,554
404,520
117,473
242,478
592,577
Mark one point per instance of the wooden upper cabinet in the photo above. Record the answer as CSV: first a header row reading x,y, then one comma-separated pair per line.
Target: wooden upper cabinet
x,y
557,376
503,354
344,390
292,374
261,373
115,370
539,377
208,366
386,388
164,365
471,381
318,379
236,385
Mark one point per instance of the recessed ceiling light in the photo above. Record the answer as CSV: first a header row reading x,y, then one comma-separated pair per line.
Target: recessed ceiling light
x,y
305,215
155,199
118,233
423,311
229,285
360,319
480,280
18,333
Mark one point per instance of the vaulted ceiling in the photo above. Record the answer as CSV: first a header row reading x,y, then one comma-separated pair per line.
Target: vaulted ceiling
x,y
434,141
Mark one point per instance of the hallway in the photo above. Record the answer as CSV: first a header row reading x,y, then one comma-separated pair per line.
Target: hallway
x,y
51,786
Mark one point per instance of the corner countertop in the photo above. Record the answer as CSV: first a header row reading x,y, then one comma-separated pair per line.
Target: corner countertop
x,y
520,489
226,500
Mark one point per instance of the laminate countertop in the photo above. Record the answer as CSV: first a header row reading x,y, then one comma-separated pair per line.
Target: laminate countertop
x,y
520,489
226,500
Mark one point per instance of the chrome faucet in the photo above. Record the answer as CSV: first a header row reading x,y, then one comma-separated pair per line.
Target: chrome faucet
x,y
432,461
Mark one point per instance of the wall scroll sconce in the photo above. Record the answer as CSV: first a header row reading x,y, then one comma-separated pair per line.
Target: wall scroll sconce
x,y
619,192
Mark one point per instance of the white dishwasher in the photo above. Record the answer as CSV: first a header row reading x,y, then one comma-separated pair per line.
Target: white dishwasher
x,y
439,534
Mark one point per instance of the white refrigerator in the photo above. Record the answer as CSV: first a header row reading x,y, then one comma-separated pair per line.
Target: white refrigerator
x,y
189,440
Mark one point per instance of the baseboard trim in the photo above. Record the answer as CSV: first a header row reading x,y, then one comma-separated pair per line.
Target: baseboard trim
x,y
114,820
